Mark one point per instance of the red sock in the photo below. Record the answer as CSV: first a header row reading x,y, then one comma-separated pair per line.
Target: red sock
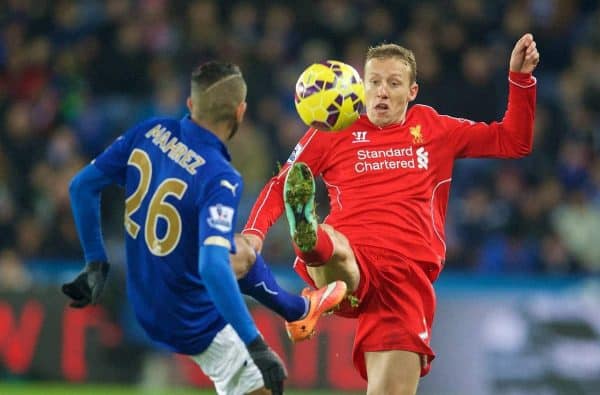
x,y
322,252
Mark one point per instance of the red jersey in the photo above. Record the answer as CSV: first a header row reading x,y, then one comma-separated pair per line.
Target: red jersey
x,y
389,186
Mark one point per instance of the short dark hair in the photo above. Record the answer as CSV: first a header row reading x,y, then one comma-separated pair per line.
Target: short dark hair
x,y
210,72
385,51
217,89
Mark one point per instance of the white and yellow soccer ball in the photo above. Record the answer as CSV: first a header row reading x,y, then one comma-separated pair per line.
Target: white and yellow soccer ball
x,y
329,95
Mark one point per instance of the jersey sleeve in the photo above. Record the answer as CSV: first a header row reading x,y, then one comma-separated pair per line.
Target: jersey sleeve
x,y
218,210
84,191
113,161
269,205
510,138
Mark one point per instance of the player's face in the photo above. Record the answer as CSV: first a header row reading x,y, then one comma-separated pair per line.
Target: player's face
x,y
388,90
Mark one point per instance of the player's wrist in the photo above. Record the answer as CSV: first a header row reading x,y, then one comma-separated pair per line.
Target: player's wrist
x,y
522,80
97,266
258,344
256,240
253,232
97,263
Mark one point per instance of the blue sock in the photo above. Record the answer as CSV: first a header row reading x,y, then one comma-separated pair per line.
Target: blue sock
x,y
260,283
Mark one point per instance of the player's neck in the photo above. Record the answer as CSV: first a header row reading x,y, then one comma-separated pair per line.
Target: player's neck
x,y
220,129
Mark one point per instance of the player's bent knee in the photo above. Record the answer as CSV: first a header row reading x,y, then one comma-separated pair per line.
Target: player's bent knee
x,y
333,271
341,246
341,266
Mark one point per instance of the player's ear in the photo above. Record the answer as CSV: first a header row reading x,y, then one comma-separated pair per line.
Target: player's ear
x,y
189,104
240,111
412,91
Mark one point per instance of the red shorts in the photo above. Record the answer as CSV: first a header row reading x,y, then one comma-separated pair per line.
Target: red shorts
x,y
396,309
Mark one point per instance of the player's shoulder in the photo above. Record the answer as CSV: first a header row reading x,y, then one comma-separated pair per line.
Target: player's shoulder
x,y
427,113
154,126
224,168
223,175
324,140
217,160
313,139
217,164
422,110
425,116
171,124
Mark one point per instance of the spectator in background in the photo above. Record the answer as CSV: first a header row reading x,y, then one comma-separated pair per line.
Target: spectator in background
x,y
8,205
97,66
13,274
577,222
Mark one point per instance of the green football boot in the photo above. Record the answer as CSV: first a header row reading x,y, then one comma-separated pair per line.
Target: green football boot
x,y
299,199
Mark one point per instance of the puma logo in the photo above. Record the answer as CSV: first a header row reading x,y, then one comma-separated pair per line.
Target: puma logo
x,y
230,186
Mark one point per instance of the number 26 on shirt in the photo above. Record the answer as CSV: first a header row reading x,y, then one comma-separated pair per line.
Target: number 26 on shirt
x,y
157,207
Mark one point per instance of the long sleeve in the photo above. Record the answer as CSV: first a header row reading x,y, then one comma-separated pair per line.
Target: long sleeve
x,y
215,269
217,216
510,138
84,190
269,205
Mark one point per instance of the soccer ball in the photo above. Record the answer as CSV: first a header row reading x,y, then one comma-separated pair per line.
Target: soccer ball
x,y
329,95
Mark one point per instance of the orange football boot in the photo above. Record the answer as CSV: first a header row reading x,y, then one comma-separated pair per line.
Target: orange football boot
x,y
321,301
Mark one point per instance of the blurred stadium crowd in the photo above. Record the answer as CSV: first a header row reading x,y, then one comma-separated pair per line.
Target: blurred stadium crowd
x,y
76,74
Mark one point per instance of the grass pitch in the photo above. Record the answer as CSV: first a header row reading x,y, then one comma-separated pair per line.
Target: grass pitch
x,y
79,389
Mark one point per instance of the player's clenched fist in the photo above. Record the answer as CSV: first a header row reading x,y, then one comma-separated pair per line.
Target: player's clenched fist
x,y
270,365
88,285
525,56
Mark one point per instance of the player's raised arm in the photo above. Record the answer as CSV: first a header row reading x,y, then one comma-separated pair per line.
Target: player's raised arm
x,y
513,136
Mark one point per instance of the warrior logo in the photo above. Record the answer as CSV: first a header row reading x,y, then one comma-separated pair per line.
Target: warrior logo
x,y
360,137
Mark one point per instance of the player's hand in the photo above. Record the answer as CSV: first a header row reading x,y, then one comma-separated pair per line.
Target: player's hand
x,y
270,365
88,285
244,258
255,241
525,56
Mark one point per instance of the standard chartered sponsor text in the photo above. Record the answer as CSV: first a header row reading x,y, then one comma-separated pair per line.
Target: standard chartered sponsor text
x,y
363,154
389,159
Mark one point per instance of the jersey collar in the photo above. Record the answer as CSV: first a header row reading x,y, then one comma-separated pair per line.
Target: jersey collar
x,y
364,118
197,133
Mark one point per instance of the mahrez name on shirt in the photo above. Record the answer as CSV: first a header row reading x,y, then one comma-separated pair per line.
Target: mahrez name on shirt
x,y
177,151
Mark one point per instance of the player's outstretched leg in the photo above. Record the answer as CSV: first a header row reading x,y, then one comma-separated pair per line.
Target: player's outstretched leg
x,y
311,243
260,283
299,198
321,301
301,312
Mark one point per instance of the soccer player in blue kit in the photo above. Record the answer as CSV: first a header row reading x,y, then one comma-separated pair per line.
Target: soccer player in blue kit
x,y
180,210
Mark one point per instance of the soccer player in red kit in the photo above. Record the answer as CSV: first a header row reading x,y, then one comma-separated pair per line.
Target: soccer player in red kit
x,y
388,177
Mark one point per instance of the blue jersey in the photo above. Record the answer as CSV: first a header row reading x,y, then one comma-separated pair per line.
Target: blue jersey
x,y
181,193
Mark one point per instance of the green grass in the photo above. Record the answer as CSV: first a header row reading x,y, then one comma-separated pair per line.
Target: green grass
x,y
78,389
